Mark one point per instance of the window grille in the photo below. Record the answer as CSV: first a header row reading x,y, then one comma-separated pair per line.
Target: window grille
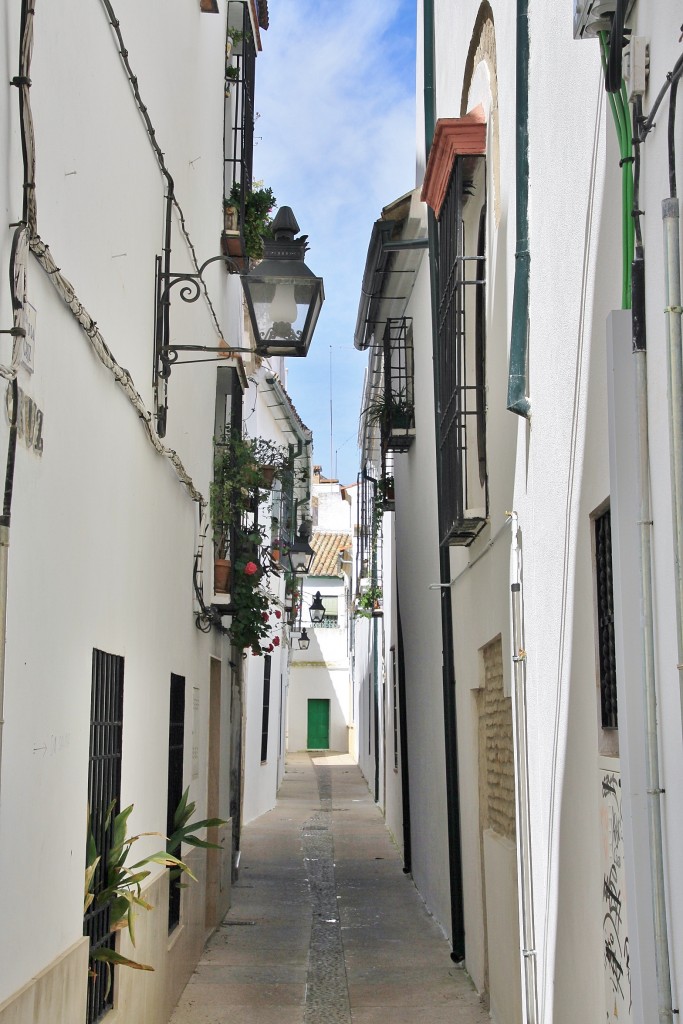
x,y
605,609
238,135
176,754
461,353
104,789
364,526
369,535
398,422
265,716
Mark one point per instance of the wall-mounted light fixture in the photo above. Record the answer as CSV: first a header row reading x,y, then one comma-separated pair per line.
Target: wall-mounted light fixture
x,y
304,641
283,296
317,609
300,554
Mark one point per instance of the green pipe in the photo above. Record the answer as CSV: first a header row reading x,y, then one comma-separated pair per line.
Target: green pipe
x,y
622,122
448,661
518,376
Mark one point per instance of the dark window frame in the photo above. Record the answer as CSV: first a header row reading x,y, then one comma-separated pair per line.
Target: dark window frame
x,y
175,781
461,363
265,714
604,596
104,789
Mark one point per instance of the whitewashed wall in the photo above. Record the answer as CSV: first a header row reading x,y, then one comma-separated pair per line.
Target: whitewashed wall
x,y
103,534
553,471
321,672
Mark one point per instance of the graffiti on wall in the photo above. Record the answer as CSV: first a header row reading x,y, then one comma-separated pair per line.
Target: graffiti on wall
x,y
614,920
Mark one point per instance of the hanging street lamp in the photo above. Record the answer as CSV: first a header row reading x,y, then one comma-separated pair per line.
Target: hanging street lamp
x,y
317,609
300,554
283,296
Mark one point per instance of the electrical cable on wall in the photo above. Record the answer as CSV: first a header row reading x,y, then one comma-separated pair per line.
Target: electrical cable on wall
x,y
151,132
27,231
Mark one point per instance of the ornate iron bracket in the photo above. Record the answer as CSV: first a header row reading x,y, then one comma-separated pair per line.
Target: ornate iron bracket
x,y
165,354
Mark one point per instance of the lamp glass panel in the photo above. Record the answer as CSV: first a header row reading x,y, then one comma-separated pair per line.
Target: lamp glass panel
x,y
282,307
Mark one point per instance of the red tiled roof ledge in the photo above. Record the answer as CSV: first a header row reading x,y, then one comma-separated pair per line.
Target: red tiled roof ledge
x,y
453,136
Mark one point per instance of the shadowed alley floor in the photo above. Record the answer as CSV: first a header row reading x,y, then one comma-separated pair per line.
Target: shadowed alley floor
x,y
324,926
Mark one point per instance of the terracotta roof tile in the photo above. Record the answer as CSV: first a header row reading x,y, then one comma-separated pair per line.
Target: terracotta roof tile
x,y
327,547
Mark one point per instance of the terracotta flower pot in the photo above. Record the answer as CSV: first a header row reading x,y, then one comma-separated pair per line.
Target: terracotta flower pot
x,y
222,571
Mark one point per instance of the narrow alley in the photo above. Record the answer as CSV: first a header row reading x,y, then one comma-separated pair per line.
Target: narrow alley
x,y
324,926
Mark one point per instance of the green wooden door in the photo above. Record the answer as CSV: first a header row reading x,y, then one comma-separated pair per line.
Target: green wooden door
x,y
318,724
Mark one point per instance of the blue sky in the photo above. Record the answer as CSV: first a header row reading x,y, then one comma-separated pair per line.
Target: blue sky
x,y
335,140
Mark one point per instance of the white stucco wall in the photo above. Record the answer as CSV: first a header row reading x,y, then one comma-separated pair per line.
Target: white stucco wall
x,y
321,672
103,534
553,471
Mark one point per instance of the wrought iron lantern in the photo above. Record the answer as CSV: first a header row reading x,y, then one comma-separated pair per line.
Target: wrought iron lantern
x,y
300,554
317,609
283,296
304,641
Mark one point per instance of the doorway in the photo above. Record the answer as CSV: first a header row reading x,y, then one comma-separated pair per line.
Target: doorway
x,y
318,734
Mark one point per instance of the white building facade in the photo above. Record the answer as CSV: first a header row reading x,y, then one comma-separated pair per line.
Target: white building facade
x,y
123,135
320,713
535,554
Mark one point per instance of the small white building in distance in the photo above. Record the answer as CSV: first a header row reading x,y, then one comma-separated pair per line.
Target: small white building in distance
x,y
320,711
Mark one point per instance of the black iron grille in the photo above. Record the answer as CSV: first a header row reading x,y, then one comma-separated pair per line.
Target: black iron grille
x,y
606,649
104,788
461,360
265,717
176,750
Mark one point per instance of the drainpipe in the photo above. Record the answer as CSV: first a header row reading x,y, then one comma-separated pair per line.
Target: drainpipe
x,y
524,871
403,733
673,311
518,383
653,782
448,669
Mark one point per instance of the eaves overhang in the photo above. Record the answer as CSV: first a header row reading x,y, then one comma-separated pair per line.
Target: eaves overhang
x,y
397,243
284,413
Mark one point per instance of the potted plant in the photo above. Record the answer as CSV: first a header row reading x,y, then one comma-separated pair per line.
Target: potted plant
x,y
234,38
250,618
369,601
272,458
385,493
392,410
254,220
236,478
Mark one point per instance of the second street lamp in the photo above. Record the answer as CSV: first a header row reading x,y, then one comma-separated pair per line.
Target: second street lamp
x,y
317,609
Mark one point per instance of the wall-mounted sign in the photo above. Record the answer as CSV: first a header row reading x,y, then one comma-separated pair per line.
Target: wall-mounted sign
x,y
29,419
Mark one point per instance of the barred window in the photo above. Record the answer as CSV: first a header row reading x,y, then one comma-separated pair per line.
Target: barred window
x,y
605,613
462,353
176,757
265,712
104,791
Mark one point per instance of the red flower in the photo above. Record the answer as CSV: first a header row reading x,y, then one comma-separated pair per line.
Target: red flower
x,y
278,613
265,616
276,641
270,646
250,568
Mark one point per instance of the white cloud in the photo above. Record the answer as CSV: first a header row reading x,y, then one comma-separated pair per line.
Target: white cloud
x,y
335,90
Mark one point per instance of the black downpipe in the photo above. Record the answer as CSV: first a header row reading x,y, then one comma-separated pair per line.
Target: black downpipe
x,y
403,737
638,264
448,668
450,718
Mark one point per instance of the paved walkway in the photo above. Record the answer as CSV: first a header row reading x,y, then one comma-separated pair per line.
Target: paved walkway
x,y
324,926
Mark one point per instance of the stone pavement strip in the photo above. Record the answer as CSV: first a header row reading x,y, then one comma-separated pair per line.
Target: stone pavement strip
x,y
324,926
